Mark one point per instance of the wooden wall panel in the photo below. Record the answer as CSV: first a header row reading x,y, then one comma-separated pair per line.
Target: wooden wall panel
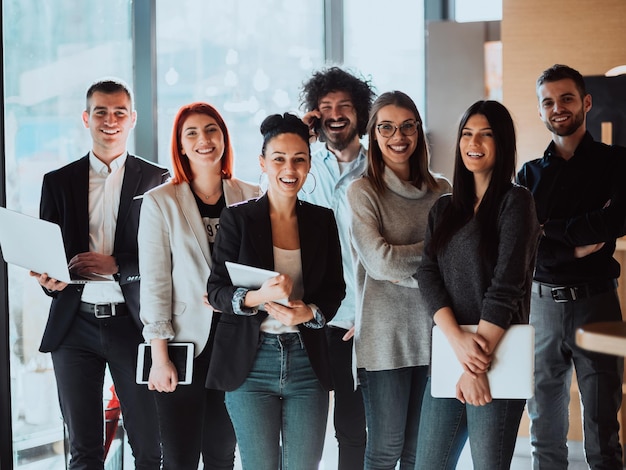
x,y
588,35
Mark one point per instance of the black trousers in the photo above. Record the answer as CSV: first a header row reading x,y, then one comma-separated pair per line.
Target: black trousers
x,y
194,421
349,418
79,367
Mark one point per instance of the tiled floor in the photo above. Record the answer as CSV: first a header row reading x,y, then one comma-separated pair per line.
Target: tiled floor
x,y
521,457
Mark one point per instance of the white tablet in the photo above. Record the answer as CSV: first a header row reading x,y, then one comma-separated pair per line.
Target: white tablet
x,y
181,354
511,374
242,275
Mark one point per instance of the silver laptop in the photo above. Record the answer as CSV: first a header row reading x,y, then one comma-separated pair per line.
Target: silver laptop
x,y
37,245
511,374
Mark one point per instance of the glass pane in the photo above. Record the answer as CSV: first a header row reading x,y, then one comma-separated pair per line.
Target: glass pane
x,y
386,42
53,50
246,58
477,10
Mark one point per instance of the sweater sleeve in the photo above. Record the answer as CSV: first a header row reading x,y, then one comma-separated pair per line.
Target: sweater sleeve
x,y
429,274
382,260
518,231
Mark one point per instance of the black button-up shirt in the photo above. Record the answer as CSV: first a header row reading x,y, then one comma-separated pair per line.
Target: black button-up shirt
x,y
580,201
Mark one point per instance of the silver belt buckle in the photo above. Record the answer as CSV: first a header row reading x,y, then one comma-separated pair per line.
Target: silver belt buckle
x,y
572,292
104,315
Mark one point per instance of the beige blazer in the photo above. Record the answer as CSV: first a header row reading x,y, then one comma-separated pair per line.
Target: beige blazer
x,y
175,262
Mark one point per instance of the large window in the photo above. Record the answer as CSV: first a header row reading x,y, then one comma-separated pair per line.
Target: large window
x,y
247,58
53,50
385,41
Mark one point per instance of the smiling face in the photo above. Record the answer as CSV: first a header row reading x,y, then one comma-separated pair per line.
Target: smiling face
x,y
478,146
202,141
109,120
397,149
287,162
561,107
339,121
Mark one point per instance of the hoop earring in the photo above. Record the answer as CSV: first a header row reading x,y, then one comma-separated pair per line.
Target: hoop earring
x,y
261,181
314,183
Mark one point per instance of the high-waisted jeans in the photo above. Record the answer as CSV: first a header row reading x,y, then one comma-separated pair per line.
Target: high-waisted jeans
x,y
280,402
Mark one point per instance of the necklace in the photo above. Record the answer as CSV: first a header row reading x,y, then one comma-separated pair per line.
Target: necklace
x,y
207,196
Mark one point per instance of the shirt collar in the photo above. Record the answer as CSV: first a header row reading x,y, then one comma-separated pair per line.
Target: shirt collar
x,y
584,144
328,154
100,168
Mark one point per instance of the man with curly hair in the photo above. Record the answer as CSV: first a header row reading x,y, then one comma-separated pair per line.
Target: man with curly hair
x,y
337,105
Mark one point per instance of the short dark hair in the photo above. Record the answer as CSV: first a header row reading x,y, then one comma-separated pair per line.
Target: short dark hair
x,y
561,72
180,162
109,86
287,123
333,79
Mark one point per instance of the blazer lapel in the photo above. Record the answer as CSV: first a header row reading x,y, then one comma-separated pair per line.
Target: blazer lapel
x,y
232,192
189,209
261,233
309,232
79,186
132,179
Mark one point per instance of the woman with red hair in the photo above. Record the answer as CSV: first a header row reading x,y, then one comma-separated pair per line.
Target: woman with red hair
x,y
178,224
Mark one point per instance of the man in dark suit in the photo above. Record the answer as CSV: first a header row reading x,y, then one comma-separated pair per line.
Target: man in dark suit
x,y
96,201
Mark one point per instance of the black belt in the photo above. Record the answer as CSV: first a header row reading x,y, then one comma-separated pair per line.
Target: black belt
x,y
574,292
104,310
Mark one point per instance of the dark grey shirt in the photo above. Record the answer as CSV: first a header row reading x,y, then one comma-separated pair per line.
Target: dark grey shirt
x,y
475,288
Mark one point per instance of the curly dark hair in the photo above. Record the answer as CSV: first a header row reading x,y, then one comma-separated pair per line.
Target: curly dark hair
x,y
336,79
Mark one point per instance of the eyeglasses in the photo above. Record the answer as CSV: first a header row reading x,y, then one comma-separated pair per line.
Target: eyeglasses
x,y
387,129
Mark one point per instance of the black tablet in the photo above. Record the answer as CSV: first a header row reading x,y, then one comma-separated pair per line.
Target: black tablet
x,y
181,354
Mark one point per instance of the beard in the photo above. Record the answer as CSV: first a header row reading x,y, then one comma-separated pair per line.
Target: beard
x,y
338,141
577,120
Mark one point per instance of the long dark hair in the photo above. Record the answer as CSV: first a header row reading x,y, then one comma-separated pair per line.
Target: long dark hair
x,y
461,209
419,173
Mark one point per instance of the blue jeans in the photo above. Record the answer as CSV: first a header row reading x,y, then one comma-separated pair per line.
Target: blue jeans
x,y
392,399
447,423
281,401
599,382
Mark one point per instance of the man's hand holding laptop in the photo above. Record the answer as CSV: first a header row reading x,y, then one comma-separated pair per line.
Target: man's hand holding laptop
x,y
48,283
83,264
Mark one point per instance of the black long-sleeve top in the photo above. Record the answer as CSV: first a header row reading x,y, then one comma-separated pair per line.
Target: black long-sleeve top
x,y
580,201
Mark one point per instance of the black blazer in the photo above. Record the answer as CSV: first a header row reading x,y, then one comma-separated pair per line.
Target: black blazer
x,y
64,201
245,236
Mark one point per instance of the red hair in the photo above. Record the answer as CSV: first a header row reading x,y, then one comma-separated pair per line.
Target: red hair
x,y
180,162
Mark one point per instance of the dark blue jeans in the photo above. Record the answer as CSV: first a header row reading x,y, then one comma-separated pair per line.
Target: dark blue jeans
x,y
79,366
446,424
281,401
599,382
194,422
393,399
